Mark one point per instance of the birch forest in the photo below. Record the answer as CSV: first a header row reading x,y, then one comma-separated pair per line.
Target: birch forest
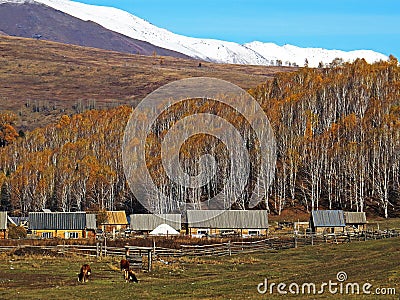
x,y
337,131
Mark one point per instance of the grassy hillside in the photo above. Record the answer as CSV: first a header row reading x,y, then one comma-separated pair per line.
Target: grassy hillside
x,y
43,80
235,277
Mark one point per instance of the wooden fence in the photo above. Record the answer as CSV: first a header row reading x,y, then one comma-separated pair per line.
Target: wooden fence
x,y
222,249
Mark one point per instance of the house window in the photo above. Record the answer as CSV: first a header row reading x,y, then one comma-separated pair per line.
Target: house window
x,y
202,231
47,235
71,235
254,232
227,232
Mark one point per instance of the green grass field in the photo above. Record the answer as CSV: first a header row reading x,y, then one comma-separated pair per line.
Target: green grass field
x,y
235,277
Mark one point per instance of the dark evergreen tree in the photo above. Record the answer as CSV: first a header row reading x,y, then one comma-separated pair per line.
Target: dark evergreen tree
x,y
5,198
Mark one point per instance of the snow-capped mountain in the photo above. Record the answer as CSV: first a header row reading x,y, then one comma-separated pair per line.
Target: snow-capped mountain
x,y
46,23
255,53
293,54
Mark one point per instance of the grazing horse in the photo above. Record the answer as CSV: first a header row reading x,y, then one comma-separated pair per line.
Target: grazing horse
x,y
83,276
128,273
124,266
131,277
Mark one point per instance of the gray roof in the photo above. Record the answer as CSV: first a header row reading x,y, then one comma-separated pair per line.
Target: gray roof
x,y
328,218
18,221
57,220
355,217
228,219
91,221
3,220
148,222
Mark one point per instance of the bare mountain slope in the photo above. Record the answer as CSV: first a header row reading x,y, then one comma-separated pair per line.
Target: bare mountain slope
x,y
42,80
41,21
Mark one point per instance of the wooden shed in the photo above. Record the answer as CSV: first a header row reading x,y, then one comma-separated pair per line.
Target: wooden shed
x,y
67,225
115,221
91,226
355,220
148,222
3,224
224,222
327,221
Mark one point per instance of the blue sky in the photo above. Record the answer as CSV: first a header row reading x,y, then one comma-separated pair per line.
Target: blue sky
x,y
332,24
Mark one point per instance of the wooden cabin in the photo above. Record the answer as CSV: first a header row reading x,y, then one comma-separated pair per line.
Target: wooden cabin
x,y
227,222
145,223
356,221
327,221
66,225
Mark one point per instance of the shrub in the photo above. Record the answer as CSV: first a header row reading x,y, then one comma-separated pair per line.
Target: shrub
x,y
16,232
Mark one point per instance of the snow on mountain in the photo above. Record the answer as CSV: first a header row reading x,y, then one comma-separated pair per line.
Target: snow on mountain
x,y
292,54
255,53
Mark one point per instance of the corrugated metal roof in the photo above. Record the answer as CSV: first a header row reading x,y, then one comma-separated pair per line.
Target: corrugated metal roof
x,y
116,218
57,220
3,220
228,219
355,217
91,221
328,218
148,222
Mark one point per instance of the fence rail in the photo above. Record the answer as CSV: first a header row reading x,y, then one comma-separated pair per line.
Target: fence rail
x,y
222,249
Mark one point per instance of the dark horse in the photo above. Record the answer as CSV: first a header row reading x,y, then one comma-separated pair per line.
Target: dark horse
x,y
131,277
83,276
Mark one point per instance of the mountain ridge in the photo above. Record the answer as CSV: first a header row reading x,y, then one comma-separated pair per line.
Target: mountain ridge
x,y
43,22
254,53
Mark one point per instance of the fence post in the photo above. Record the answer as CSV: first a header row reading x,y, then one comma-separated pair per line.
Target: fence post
x,y
312,240
229,248
105,246
295,241
149,262
97,250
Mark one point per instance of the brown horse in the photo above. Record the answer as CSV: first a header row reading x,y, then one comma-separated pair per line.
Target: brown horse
x,y
124,266
128,273
84,274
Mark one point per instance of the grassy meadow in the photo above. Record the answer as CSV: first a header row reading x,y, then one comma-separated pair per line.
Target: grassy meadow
x,y
235,277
